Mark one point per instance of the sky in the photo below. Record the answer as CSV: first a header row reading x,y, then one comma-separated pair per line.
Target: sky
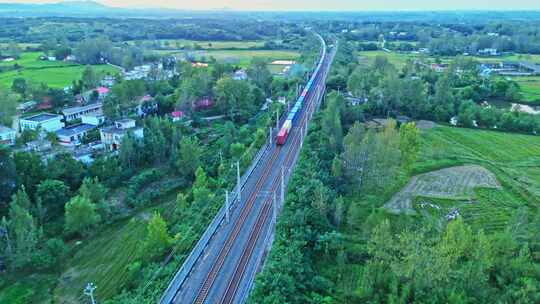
x,y
321,5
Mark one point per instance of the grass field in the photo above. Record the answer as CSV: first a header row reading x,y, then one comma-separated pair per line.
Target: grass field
x,y
397,59
530,88
56,74
104,261
513,158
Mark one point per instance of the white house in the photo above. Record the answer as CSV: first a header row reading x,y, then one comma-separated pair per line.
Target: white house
x,y
73,135
488,52
7,136
112,136
94,118
240,75
46,122
74,113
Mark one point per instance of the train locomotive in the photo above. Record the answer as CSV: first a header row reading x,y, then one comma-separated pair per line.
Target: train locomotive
x,y
296,110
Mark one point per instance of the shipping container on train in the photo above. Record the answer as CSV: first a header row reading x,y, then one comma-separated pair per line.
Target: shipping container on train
x,y
296,110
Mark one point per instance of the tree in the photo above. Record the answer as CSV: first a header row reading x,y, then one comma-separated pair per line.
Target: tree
x,y
260,75
53,195
202,196
129,152
8,108
157,238
89,78
354,154
93,190
8,178
30,171
19,86
409,144
65,168
92,51
232,96
331,122
237,150
189,157
81,215
23,235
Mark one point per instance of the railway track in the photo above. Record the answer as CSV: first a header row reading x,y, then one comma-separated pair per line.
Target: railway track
x,y
263,215
216,267
254,234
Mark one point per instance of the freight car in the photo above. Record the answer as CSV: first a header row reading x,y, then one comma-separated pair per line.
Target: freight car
x,y
296,110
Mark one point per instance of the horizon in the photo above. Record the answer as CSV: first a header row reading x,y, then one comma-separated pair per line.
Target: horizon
x,y
311,6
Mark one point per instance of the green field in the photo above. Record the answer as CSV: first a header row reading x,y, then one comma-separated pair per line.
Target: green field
x,y
104,260
397,59
530,88
513,158
56,74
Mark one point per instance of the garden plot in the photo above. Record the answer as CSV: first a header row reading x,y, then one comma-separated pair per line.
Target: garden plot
x,y
455,183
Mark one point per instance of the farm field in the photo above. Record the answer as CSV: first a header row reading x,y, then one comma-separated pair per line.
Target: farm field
x,y
56,74
514,159
454,183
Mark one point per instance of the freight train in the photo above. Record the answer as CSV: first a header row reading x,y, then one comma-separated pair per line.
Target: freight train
x,y
296,110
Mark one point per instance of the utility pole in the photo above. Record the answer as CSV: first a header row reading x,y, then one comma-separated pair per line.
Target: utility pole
x,y
301,136
277,119
238,182
270,135
227,207
89,291
274,209
282,194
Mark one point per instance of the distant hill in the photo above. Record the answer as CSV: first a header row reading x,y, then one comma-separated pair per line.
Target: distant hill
x,y
68,8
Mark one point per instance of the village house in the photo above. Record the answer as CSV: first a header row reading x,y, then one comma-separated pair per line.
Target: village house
x,y
107,81
177,116
112,136
439,67
240,75
45,122
74,113
138,72
203,103
7,136
102,92
73,135
488,52
95,118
